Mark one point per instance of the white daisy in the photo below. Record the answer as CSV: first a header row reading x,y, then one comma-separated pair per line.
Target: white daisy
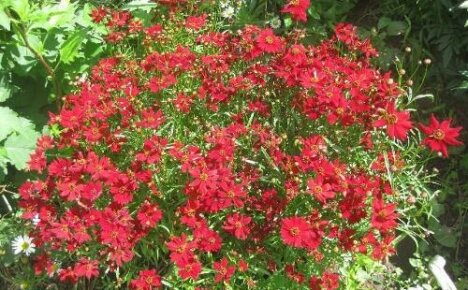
x,y
228,12
23,244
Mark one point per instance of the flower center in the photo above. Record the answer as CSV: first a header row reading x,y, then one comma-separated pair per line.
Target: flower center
x,y
269,40
203,176
318,189
438,134
294,231
294,2
24,246
391,119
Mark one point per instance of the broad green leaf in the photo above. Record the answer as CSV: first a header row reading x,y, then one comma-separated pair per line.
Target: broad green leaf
x,y
23,58
20,146
9,122
71,46
4,20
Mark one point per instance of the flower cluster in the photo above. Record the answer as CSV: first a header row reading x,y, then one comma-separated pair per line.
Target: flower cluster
x,y
228,151
297,9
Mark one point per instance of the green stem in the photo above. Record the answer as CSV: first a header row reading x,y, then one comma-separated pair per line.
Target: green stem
x,y
50,71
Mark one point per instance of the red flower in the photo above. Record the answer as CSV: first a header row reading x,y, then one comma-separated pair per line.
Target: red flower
x,y
329,281
238,225
157,84
196,22
98,14
322,191
190,269
295,231
224,271
146,280
398,123
149,215
181,249
151,119
268,42
297,9
87,268
383,215
204,179
439,135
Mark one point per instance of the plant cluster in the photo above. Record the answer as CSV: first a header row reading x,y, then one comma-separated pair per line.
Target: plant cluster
x,y
198,158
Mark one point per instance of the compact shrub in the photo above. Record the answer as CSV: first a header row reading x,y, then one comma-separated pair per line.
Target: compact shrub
x,y
194,158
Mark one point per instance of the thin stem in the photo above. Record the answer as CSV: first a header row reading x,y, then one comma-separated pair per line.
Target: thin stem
x,y
50,71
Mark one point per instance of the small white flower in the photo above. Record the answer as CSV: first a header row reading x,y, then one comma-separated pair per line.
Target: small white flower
x,y
228,12
275,23
23,244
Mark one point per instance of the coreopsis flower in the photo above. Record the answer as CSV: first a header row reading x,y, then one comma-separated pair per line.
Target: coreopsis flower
x,y
146,280
440,135
238,225
86,268
196,22
320,190
383,215
294,231
23,244
328,281
297,9
190,269
396,122
267,41
224,270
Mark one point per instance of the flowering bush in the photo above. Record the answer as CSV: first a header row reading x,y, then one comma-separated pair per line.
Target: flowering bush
x,y
195,157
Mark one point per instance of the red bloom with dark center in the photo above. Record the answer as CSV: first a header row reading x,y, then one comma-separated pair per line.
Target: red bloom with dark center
x,y
320,190
267,41
181,250
224,270
383,215
294,231
87,268
397,122
149,215
440,135
297,9
238,225
190,269
146,280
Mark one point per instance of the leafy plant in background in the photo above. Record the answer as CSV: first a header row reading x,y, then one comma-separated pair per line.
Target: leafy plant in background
x,y
44,45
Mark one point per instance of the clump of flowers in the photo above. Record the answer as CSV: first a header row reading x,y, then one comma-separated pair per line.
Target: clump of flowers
x,y
230,152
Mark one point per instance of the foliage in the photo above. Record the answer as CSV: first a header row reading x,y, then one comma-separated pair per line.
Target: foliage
x,y
44,45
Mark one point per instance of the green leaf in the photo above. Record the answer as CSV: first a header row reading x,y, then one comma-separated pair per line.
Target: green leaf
x,y
4,20
71,46
383,22
22,8
5,89
396,28
9,122
20,146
